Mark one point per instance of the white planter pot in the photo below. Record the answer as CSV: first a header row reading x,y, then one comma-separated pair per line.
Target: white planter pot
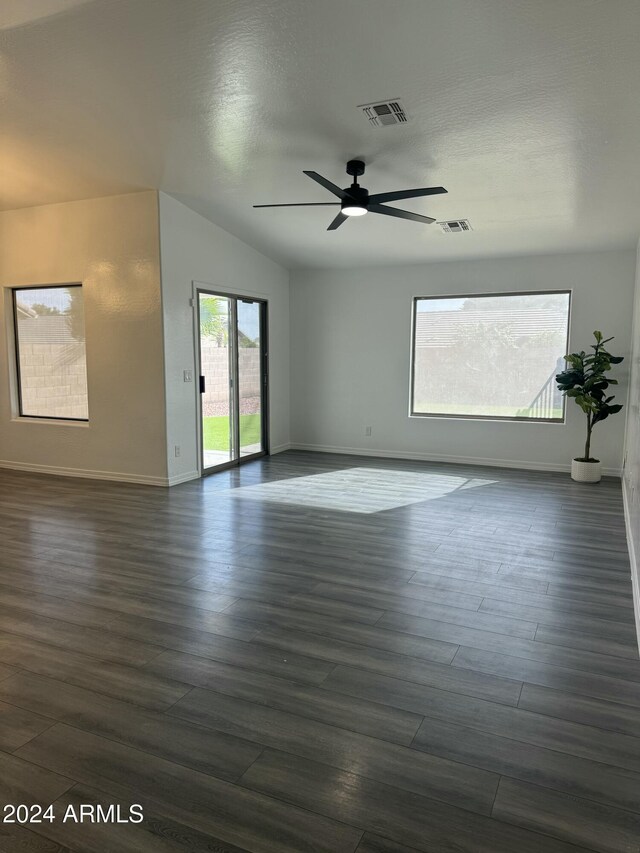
x,y
586,472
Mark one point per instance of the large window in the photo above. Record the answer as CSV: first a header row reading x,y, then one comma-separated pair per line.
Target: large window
x,y
50,352
491,356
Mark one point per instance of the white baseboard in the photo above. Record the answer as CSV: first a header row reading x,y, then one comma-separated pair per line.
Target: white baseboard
x,y
437,457
85,473
280,448
182,478
635,568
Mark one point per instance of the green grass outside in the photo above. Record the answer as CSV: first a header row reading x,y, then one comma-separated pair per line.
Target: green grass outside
x,y
216,431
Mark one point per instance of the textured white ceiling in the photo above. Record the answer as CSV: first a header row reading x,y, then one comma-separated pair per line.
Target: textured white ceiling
x,y
527,111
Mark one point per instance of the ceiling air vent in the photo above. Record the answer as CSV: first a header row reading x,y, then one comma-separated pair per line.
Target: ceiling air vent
x,y
455,226
384,113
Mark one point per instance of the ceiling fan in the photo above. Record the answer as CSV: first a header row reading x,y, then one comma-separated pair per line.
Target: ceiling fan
x,y
356,201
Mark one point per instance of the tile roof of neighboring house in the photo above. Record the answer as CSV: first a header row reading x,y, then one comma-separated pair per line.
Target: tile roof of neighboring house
x,y
45,329
442,328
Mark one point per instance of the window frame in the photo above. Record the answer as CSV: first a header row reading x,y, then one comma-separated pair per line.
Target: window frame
x,y
505,418
16,342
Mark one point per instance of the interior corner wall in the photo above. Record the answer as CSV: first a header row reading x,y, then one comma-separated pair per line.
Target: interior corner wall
x,y
110,245
351,350
631,474
192,250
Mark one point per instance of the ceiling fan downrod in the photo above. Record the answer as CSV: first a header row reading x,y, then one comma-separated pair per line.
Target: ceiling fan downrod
x,y
357,201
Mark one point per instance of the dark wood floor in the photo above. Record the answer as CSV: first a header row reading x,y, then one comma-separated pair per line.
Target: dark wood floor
x,y
321,653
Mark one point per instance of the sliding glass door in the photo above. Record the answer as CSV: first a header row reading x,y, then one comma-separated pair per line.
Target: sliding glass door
x,y
251,378
233,379
216,383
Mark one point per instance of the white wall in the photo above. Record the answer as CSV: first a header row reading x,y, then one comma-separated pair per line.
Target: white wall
x,y
193,249
631,476
350,347
110,245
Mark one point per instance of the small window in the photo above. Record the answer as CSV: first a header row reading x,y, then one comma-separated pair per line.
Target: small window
x,y
490,356
50,352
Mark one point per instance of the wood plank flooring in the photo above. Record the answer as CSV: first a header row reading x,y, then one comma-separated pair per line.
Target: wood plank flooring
x,y
321,653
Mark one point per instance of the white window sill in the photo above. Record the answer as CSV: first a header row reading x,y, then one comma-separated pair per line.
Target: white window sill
x,y
488,418
54,421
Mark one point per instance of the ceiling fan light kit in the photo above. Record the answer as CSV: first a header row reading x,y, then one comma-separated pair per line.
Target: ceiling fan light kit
x,y
356,201
351,209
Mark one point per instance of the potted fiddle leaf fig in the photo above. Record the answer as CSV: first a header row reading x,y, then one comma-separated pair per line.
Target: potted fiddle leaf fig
x,y
585,381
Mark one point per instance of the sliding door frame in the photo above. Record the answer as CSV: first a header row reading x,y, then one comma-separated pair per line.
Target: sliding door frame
x,y
234,296
264,378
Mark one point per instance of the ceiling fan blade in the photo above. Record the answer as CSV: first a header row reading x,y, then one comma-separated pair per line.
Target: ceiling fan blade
x,y
326,184
400,194
337,222
302,204
401,214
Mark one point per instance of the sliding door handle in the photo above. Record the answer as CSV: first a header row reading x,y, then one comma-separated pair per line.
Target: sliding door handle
x,y
202,385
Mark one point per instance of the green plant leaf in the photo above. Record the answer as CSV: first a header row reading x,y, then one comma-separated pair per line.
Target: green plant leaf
x,y
586,381
574,359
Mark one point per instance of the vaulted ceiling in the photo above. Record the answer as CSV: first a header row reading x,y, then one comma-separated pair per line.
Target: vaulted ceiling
x,y
527,111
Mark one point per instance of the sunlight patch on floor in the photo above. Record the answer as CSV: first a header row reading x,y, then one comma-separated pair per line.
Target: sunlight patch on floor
x,y
362,490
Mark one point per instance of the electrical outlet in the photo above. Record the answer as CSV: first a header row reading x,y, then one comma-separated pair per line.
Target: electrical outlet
x,y
367,430
177,450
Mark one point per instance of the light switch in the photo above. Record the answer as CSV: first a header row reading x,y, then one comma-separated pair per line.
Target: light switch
x,y
188,375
